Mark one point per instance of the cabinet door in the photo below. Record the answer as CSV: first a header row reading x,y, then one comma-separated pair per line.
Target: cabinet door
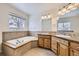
x,y
54,45
74,50
63,50
40,42
47,43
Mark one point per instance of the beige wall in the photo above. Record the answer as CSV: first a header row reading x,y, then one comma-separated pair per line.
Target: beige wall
x,y
35,23
54,23
5,9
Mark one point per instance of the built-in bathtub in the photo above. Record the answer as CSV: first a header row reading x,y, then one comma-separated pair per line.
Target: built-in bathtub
x,y
18,46
15,43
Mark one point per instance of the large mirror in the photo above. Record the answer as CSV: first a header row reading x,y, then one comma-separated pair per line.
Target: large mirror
x,y
69,21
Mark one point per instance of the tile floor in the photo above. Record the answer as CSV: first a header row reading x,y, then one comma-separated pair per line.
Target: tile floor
x,y
39,52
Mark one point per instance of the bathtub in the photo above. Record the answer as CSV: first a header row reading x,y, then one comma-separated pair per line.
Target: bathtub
x,y
15,43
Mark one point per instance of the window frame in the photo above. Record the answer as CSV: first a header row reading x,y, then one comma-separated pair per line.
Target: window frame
x,y
18,26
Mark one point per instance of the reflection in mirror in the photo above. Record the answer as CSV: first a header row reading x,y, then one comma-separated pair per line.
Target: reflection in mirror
x,y
69,21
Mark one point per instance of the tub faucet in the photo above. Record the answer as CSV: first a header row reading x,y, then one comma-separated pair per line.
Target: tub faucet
x,y
18,41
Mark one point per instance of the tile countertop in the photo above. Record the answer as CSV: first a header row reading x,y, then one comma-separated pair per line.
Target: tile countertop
x,y
68,38
64,37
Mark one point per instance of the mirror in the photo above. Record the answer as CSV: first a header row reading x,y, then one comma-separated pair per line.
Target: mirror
x,y
47,25
69,21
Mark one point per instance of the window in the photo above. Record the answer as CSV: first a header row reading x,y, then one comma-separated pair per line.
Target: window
x,y
60,26
67,26
64,26
16,22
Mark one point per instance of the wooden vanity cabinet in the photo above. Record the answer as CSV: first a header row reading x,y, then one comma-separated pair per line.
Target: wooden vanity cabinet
x,y
44,41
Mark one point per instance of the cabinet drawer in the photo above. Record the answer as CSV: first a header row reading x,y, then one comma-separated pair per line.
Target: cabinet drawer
x,y
43,36
63,41
74,45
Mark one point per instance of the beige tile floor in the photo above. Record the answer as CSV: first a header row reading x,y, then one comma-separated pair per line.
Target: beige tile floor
x,y
39,52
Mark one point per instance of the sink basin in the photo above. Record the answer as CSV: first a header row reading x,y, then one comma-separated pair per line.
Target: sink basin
x,y
64,36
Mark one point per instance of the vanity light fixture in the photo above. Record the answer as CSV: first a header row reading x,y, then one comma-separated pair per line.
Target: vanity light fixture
x,y
46,17
68,8
43,17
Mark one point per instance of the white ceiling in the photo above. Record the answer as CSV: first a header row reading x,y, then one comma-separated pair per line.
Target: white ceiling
x,y
35,8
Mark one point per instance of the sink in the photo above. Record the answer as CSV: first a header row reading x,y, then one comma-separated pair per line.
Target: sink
x,y
64,36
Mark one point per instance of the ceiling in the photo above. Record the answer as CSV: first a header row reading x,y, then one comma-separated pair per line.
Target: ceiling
x,y
35,8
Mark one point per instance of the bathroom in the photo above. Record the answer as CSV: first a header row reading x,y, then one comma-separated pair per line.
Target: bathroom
x,y
49,29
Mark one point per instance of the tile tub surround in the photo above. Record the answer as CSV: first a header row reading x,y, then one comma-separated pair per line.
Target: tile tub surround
x,y
13,35
35,33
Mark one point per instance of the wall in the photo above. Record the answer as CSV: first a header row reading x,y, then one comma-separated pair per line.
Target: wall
x,y
35,25
35,22
54,23
13,35
5,9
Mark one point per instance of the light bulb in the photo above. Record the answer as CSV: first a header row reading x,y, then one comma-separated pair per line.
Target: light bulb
x,y
42,17
59,12
49,16
64,10
70,6
45,17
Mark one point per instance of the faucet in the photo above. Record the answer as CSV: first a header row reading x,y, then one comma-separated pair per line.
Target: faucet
x,y
18,42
